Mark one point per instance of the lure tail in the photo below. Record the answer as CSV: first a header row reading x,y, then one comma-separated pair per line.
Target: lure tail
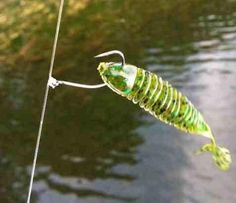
x,y
220,155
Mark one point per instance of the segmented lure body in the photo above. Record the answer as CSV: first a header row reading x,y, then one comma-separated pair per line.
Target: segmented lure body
x,y
163,101
166,103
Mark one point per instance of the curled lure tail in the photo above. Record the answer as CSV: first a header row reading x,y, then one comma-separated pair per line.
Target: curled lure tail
x,y
220,155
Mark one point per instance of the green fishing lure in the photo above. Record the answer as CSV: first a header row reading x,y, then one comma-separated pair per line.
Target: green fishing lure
x,y
161,100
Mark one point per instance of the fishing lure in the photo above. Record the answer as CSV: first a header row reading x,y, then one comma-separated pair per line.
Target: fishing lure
x,y
161,100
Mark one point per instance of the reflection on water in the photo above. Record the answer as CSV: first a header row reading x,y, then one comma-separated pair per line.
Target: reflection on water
x,y
96,146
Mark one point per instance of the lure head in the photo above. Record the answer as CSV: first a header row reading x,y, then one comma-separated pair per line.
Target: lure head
x,y
117,77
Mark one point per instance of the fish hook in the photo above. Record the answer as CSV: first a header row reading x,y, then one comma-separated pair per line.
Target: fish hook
x,y
52,82
113,52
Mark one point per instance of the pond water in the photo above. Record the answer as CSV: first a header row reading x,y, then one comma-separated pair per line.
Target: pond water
x,y
97,147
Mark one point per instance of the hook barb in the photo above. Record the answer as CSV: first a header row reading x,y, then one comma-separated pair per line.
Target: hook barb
x,y
113,52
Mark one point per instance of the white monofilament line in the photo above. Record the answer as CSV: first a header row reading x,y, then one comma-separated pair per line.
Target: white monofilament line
x,y
52,83
45,101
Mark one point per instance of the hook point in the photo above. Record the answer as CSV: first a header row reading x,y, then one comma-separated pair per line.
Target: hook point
x,y
112,53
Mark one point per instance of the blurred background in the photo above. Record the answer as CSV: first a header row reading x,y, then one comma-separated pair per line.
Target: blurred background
x,y
97,147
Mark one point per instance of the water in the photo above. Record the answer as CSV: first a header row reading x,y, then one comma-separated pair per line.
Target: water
x,y
96,146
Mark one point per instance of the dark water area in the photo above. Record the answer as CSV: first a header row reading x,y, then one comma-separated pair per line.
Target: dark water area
x,y
96,146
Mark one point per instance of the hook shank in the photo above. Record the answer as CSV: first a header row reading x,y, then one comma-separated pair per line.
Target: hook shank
x,y
52,82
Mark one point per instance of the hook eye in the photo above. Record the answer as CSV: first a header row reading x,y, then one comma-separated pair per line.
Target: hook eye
x,y
113,52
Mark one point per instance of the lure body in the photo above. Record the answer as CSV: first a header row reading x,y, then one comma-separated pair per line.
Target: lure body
x,y
163,101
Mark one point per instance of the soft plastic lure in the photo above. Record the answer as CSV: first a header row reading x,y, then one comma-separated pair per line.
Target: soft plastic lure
x,y
161,100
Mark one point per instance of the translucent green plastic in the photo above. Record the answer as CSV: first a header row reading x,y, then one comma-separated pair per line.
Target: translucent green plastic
x,y
164,102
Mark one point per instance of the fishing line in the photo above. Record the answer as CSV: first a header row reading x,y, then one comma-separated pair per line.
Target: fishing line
x,y
45,100
52,82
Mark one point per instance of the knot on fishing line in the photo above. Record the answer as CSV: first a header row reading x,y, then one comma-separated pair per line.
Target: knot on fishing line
x,y
52,82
